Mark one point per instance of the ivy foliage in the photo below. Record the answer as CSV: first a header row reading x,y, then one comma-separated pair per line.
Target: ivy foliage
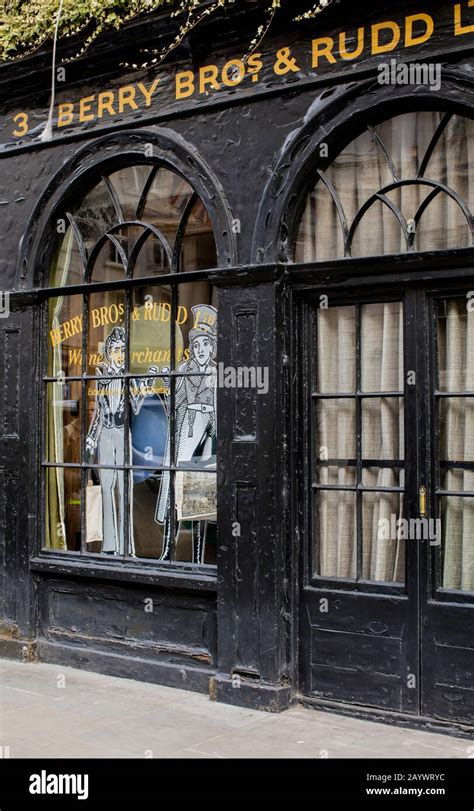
x,y
26,24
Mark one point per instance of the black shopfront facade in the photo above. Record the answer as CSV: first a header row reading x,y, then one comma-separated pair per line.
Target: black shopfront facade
x,y
237,366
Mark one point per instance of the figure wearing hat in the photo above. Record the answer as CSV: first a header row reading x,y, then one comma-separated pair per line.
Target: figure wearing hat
x,y
107,435
195,406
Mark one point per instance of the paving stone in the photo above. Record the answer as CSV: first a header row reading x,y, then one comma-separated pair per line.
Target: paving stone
x,y
100,716
192,754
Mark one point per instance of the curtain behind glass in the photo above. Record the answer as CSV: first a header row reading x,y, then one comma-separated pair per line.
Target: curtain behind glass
x,y
383,439
456,371
361,170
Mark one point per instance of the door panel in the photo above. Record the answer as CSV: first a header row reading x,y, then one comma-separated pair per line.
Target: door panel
x,y
448,575
357,651
387,599
359,598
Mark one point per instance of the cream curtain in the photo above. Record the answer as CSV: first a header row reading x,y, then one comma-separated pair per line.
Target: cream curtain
x,y
361,170
382,439
335,421
456,364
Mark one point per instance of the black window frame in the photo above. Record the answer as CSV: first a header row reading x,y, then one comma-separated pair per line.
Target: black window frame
x,y
206,188
173,282
347,277
348,230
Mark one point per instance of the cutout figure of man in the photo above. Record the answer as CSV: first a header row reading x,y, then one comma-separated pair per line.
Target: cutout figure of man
x,y
107,434
195,405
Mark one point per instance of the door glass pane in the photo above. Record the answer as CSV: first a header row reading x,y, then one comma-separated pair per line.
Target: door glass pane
x,y
354,434
335,422
455,419
336,353
382,346
383,477
457,533
334,432
385,532
336,534
456,429
383,428
456,345
336,475
457,480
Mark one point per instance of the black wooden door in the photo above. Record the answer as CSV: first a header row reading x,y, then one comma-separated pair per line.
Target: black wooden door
x,y
359,596
446,421
386,500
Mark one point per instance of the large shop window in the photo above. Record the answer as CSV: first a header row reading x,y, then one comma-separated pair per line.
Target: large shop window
x,y
401,186
129,390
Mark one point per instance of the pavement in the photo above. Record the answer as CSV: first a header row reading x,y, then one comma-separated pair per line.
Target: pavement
x,y
49,711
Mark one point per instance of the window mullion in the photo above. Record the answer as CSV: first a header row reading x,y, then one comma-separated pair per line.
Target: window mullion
x,y
172,523
84,469
359,522
44,417
127,474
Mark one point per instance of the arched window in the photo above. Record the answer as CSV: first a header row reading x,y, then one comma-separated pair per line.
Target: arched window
x,y
130,379
401,186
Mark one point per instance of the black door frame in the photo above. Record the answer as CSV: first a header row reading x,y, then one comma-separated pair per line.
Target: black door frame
x,y
398,603
444,273
446,615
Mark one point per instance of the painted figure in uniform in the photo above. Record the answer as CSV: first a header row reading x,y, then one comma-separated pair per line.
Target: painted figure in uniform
x,y
195,408
107,434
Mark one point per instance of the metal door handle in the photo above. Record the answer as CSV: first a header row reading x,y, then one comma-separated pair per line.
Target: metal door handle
x,y
422,493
